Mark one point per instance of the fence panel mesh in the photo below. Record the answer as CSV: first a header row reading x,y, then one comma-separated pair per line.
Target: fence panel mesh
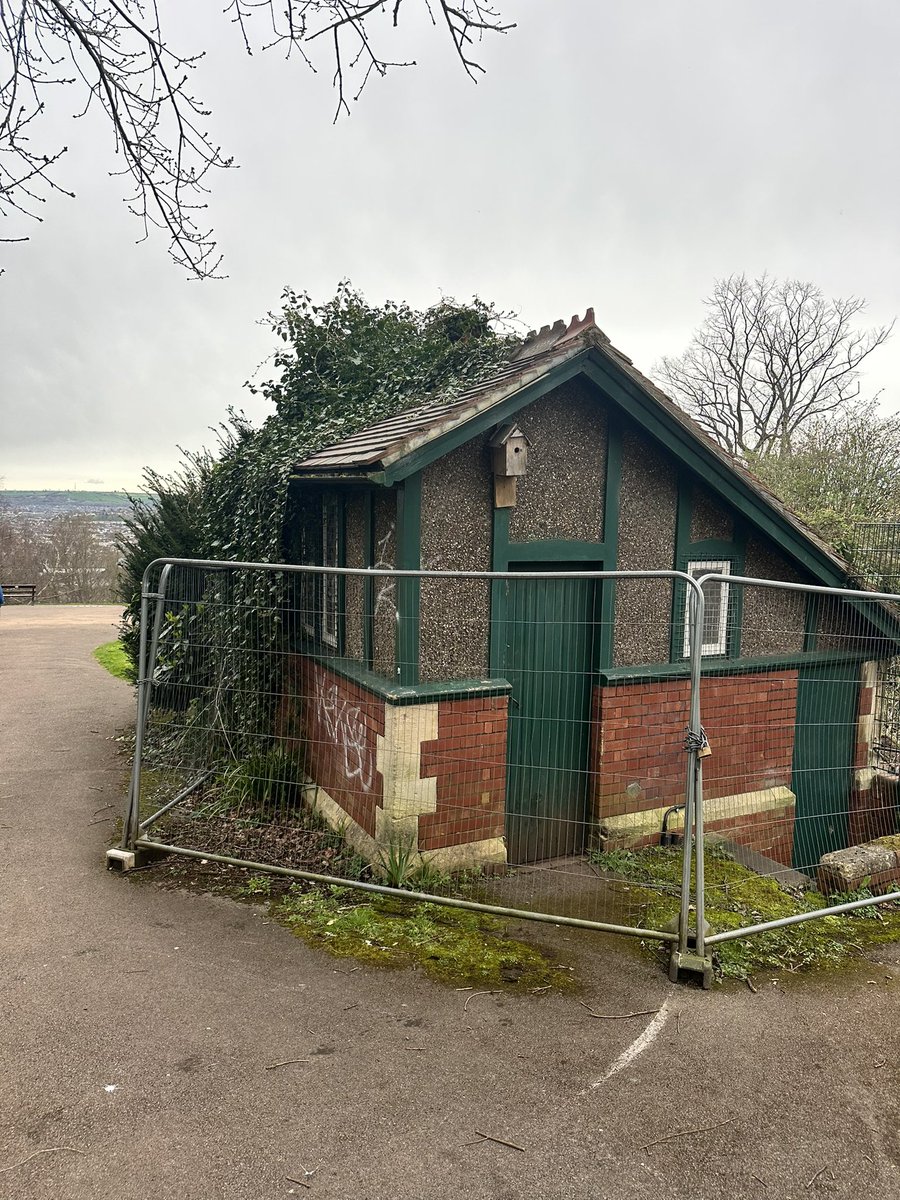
x,y
485,738
529,741
797,784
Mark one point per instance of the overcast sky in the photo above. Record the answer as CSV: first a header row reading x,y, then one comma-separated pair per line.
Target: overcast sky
x,y
616,154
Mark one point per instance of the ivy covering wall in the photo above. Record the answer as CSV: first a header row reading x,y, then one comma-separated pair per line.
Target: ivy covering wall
x,y
338,367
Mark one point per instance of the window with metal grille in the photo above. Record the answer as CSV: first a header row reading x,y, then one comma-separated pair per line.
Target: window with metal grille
x,y
715,617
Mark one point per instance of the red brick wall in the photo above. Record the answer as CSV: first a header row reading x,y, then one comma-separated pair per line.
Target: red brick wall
x,y
339,721
769,832
468,759
765,832
873,810
750,721
639,731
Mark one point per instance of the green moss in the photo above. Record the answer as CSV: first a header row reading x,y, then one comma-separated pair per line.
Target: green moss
x,y
158,785
737,897
455,946
112,656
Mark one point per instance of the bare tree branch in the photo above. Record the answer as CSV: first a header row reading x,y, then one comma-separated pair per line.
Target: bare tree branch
x,y
115,53
770,359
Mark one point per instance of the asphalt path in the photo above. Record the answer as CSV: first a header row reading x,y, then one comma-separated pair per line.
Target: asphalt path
x,y
137,1026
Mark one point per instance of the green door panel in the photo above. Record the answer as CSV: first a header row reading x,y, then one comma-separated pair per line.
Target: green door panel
x,y
548,659
824,741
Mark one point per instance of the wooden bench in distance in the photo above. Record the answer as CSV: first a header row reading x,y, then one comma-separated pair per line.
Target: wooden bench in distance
x,y
19,589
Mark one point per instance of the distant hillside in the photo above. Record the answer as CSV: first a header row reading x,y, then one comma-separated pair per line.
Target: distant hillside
x,y
28,501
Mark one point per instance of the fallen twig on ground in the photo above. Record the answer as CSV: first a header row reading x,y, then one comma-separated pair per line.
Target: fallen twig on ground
x,y
49,1150
287,1062
307,1175
469,999
644,1012
821,1171
487,1137
687,1132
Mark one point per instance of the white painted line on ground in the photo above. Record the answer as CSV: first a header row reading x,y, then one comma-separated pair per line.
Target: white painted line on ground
x,y
638,1046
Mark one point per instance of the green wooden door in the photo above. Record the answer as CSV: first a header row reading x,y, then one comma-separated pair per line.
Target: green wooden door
x,y
824,740
548,659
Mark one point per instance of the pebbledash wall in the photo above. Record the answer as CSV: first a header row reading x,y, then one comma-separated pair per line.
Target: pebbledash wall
x,y
391,768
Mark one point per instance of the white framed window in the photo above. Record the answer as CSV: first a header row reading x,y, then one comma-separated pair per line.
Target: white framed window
x,y
715,617
330,558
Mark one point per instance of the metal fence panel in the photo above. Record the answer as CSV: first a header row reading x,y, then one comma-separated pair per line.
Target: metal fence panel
x,y
482,739
586,748
797,786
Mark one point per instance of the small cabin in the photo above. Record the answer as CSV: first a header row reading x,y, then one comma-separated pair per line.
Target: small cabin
x,y
503,721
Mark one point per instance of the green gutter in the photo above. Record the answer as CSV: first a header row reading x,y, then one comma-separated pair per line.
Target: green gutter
x,y
399,694
651,672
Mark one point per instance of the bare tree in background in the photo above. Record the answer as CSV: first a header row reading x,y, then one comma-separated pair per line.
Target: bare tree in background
x,y
115,54
79,568
843,469
769,359
21,549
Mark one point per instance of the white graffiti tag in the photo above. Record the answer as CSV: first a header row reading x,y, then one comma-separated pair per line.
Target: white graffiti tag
x,y
346,729
384,553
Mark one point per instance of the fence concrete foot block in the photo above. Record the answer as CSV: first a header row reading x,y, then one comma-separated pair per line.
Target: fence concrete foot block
x,y
696,964
120,860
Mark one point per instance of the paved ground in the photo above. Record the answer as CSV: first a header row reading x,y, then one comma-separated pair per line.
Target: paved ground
x,y
136,1025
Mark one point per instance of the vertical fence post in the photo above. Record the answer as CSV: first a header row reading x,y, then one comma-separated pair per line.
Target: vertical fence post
x,y
688,953
146,667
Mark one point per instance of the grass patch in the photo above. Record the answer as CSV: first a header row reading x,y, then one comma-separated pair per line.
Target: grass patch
x,y
453,946
113,658
737,897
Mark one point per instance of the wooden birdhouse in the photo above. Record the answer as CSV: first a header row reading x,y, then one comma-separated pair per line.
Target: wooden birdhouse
x,y
509,451
509,459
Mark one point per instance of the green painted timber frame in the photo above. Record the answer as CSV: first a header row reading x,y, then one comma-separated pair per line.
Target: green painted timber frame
x,y
699,464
